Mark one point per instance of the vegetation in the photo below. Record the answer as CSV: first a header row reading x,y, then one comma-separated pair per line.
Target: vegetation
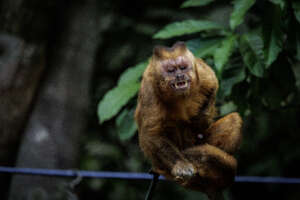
x,y
253,46
68,94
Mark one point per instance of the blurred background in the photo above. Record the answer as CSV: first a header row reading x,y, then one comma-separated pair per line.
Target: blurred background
x,y
70,71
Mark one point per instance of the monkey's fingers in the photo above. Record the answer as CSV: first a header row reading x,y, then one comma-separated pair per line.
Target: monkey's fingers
x,y
183,171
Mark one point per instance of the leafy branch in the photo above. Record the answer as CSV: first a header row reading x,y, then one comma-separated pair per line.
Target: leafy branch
x,y
245,54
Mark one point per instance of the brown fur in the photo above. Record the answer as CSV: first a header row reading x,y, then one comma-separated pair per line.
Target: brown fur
x,y
169,124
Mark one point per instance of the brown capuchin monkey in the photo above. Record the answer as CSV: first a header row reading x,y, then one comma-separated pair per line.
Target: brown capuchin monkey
x,y
176,122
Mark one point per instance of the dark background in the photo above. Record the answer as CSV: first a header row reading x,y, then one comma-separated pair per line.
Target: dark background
x,y
59,58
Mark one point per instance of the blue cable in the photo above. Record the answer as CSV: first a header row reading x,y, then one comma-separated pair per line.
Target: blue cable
x,y
130,175
270,179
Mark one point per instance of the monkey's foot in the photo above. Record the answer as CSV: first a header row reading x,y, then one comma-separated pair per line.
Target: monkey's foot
x,y
183,171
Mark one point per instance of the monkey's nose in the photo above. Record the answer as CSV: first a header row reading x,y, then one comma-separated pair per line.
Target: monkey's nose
x,y
179,77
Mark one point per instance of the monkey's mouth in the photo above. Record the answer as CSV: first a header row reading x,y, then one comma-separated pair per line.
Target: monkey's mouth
x,y
180,85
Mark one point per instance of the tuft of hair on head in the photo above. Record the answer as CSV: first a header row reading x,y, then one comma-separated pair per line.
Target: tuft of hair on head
x,y
162,52
157,50
179,45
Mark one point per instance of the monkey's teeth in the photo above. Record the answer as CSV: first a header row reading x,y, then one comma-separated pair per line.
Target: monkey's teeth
x,y
181,84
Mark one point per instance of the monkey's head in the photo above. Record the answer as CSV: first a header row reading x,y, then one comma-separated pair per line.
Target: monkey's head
x,y
174,70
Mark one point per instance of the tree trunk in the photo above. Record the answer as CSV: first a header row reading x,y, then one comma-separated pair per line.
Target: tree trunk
x,y
21,67
59,116
22,63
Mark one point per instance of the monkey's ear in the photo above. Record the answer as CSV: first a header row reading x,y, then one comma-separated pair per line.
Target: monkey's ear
x,y
162,51
157,51
179,45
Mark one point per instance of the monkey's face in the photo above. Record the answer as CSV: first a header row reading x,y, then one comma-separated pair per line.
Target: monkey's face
x,y
174,67
176,73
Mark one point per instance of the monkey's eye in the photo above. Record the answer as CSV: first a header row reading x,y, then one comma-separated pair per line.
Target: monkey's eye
x,y
171,69
182,67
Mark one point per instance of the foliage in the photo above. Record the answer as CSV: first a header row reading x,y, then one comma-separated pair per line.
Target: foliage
x,y
223,52
239,11
186,27
251,49
116,98
238,56
256,56
194,3
125,124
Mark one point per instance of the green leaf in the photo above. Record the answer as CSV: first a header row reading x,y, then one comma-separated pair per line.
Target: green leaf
x,y
296,7
115,99
281,3
273,46
227,108
251,48
239,10
233,73
186,27
272,35
133,74
203,47
228,83
223,53
193,3
126,125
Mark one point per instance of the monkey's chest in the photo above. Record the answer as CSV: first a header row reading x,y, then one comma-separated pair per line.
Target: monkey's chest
x,y
185,135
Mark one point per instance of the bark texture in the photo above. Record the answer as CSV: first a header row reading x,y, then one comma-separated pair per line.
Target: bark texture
x,y
47,53
52,136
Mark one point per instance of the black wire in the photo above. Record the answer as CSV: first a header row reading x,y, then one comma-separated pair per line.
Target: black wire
x,y
152,186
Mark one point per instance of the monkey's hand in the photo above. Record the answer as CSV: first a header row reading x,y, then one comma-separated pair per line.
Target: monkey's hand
x,y
183,171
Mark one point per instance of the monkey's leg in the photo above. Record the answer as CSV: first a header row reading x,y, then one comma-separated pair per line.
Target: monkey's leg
x,y
215,169
166,157
205,157
226,133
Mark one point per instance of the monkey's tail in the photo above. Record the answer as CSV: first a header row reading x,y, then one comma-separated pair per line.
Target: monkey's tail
x,y
215,195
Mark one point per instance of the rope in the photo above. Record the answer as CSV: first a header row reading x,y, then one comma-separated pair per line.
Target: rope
x,y
131,175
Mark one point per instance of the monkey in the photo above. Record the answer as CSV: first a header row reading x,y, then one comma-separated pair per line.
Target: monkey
x,y
177,127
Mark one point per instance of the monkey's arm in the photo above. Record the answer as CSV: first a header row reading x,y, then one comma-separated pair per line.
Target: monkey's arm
x,y
153,139
166,156
208,87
